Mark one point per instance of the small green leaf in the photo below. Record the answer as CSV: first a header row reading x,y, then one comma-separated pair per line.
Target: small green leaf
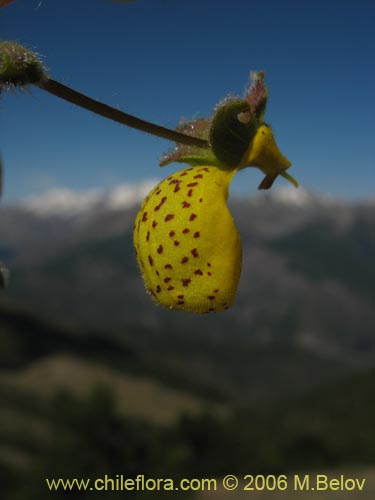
x,y
191,155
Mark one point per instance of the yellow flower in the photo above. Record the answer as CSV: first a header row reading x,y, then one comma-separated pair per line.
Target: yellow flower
x,y
187,244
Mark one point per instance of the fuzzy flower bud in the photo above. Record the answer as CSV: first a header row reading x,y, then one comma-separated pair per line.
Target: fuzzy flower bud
x,y
18,66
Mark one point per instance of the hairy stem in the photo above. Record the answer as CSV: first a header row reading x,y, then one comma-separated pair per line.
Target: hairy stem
x,y
70,95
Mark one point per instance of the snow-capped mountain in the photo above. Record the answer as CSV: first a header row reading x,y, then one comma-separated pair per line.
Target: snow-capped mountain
x,y
64,202
300,197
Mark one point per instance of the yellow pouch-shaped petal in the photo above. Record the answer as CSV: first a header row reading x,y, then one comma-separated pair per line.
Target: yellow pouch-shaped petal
x,y
187,245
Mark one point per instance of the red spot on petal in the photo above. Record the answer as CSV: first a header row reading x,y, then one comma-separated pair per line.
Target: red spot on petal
x,y
160,249
168,266
185,281
151,260
144,218
186,230
162,201
209,264
197,234
200,200
183,173
158,191
211,297
194,253
209,274
177,188
215,291
185,204
158,289
170,288
176,243
148,235
167,280
198,272
190,193
204,169
169,217
154,224
171,234
192,184
184,260
198,176
180,303
192,217
180,296
174,181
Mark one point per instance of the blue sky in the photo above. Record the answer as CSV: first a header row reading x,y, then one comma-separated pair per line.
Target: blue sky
x,y
166,59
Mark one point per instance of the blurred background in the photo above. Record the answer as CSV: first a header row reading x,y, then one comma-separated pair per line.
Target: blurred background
x,y
94,378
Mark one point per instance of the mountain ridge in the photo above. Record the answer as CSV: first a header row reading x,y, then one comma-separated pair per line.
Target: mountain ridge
x,y
64,202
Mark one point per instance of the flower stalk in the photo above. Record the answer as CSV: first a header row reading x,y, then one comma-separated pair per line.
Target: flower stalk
x,y
97,107
20,67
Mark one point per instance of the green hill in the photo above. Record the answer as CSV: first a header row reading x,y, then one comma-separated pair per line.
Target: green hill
x,y
136,401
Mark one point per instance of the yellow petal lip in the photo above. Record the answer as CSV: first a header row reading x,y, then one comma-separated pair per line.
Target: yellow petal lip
x,y
187,244
264,153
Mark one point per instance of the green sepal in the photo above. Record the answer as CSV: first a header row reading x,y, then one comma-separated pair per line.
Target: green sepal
x,y
233,128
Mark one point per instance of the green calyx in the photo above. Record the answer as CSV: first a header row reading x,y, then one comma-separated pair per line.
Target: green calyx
x,y
233,128
19,66
229,130
237,137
